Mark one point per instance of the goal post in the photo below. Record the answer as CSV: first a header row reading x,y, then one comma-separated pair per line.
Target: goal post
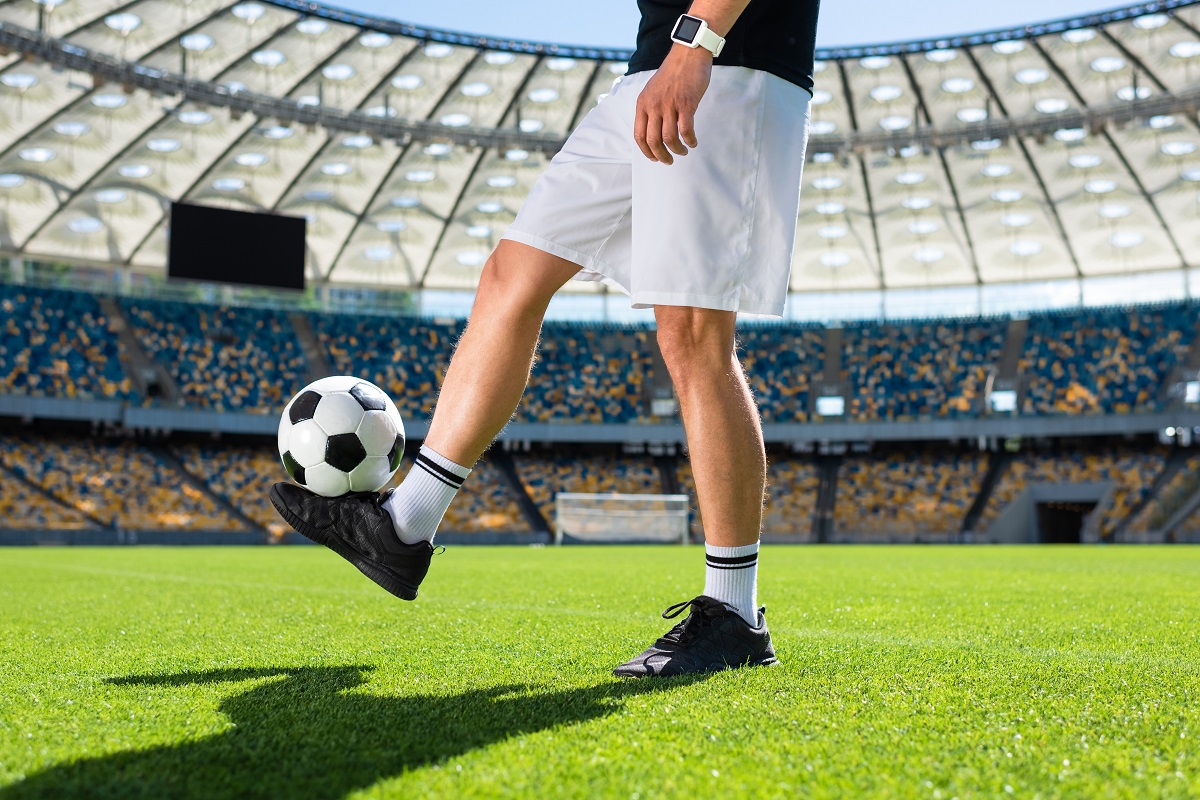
x,y
620,518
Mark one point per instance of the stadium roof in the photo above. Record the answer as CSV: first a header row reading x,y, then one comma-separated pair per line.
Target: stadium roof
x,y
1060,150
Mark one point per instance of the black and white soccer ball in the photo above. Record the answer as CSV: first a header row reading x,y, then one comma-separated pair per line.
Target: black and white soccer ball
x,y
341,434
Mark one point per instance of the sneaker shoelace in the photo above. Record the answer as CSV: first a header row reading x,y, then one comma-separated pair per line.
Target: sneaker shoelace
x,y
699,618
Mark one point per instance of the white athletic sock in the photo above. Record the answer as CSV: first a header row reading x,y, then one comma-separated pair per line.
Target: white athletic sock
x,y
420,501
731,576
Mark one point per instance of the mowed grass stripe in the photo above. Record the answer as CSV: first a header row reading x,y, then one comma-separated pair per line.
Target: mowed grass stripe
x,y
907,672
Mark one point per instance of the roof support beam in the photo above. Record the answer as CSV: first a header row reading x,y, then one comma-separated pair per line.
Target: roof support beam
x,y
516,98
862,167
1051,206
206,171
1133,175
396,165
79,99
89,181
941,152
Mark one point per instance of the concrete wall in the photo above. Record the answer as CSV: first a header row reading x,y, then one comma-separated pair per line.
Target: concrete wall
x,y
1018,523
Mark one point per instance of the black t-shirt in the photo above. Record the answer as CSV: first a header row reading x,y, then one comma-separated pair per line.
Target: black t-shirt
x,y
776,36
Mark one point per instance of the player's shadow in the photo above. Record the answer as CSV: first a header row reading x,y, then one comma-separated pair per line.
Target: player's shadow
x,y
311,732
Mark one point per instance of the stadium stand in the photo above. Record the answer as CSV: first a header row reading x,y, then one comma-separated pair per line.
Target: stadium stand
x,y
1131,471
119,482
545,475
241,475
1103,360
23,508
588,373
57,344
919,369
1170,498
222,358
792,485
404,356
486,504
1112,360
907,493
780,360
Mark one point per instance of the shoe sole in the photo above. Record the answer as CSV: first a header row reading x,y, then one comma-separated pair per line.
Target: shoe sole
x,y
385,578
770,661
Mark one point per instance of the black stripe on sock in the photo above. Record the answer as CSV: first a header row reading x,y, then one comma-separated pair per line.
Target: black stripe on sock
x,y
718,560
433,466
726,566
425,467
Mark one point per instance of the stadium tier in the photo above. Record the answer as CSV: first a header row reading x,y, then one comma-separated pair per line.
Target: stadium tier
x,y
116,483
926,493
231,358
1103,360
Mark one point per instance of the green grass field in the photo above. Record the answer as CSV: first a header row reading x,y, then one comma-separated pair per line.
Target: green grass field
x,y
907,672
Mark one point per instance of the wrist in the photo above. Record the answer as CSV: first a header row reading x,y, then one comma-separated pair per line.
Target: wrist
x,y
684,54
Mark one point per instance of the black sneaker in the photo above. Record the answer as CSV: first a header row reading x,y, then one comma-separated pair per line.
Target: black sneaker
x,y
712,638
357,528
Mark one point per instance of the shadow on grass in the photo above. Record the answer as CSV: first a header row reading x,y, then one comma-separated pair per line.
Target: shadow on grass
x,y
308,733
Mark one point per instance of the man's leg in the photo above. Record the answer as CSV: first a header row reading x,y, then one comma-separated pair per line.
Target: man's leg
x,y
723,628
725,443
388,537
483,385
724,434
492,361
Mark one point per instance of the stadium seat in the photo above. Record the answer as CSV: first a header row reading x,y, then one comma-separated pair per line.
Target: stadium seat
x,y
222,358
58,344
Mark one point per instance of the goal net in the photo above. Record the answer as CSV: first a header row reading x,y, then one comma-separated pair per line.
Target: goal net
x,y
586,517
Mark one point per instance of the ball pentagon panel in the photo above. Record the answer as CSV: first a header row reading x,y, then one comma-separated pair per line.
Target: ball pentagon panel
x,y
344,451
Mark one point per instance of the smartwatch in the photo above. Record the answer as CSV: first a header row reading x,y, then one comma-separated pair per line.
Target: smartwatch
x,y
694,32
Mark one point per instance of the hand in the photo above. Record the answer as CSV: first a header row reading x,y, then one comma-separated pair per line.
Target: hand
x,y
664,122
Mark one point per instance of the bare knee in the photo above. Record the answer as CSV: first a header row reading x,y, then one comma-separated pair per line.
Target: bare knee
x,y
518,278
694,339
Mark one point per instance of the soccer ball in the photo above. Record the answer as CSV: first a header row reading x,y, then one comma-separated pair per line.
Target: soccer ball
x,y
341,434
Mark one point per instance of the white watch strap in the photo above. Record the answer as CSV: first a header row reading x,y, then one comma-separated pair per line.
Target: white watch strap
x,y
710,41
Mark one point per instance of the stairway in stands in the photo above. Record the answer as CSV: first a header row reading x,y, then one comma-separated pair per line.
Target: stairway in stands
x,y
314,355
1006,375
997,466
529,509
1171,392
150,379
827,466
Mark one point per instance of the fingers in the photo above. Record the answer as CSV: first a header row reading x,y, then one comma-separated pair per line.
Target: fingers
x,y
687,127
641,121
670,134
654,126
662,133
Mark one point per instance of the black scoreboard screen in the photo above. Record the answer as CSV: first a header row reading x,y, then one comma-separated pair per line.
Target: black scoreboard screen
x,y
224,246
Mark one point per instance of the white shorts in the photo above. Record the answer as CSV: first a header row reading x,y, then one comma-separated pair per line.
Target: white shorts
x,y
713,230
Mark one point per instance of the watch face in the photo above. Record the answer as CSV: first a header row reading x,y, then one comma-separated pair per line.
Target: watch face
x,y
687,29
